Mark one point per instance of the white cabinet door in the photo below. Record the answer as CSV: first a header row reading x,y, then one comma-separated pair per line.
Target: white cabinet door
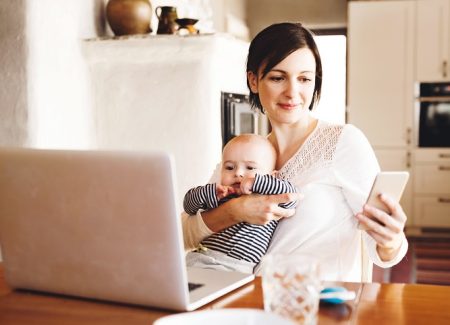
x,y
380,63
432,187
398,160
433,40
432,179
432,211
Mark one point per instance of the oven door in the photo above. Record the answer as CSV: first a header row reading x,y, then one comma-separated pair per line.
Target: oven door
x,y
238,117
434,122
245,120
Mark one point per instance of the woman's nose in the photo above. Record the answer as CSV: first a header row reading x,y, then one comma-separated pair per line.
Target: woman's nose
x,y
292,88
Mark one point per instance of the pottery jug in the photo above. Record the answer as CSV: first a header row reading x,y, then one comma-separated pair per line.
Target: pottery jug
x,y
127,17
166,16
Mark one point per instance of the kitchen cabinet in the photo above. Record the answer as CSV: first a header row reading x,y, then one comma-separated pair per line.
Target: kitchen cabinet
x,y
380,70
432,187
391,46
381,82
433,40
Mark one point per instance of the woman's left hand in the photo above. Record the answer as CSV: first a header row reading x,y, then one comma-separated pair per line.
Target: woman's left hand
x,y
386,229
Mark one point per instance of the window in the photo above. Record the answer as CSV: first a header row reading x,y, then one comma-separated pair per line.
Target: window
x,y
332,46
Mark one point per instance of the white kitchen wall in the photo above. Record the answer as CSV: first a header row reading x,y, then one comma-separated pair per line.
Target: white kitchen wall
x,y
163,92
59,102
312,13
44,100
48,101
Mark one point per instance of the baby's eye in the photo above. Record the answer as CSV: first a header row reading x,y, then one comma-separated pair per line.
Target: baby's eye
x,y
229,168
251,168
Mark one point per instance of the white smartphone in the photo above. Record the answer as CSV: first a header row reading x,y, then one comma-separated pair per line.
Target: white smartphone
x,y
390,183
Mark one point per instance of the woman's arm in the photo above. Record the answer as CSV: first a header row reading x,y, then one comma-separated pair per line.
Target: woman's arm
x,y
255,209
356,167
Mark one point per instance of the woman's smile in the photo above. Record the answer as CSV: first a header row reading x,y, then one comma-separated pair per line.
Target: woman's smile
x,y
288,106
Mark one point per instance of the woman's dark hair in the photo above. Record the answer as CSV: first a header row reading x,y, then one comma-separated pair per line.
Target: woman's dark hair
x,y
272,45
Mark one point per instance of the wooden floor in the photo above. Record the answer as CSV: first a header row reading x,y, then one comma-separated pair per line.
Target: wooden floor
x,y
427,260
432,262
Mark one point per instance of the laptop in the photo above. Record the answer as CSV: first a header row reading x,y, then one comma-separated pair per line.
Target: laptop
x,y
102,225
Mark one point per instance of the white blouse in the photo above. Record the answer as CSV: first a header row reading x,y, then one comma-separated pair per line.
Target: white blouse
x,y
334,169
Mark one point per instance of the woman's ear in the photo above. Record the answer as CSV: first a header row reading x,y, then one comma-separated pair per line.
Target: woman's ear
x,y
252,81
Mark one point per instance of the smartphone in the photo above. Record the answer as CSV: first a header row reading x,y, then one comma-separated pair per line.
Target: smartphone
x,y
390,183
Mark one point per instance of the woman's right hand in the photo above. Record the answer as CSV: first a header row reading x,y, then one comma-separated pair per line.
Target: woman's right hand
x,y
260,209
255,209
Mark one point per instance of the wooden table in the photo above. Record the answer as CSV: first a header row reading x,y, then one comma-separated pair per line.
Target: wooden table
x,y
374,304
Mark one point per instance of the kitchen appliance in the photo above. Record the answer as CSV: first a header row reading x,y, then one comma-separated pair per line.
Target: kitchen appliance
x,y
433,114
238,117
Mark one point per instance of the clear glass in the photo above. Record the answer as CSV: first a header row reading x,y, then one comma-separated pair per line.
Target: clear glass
x,y
291,286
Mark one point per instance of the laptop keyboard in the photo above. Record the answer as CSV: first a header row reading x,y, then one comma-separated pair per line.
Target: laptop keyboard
x,y
193,286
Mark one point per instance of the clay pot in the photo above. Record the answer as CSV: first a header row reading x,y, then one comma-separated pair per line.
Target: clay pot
x,y
128,17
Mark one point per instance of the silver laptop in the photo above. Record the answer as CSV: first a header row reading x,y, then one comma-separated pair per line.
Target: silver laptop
x,y
102,225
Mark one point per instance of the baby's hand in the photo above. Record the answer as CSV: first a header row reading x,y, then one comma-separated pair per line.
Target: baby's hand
x,y
223,191
247,184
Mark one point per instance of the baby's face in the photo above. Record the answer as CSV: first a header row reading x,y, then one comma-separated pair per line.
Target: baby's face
x,y
245,159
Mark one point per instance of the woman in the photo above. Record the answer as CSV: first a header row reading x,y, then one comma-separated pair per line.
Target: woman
x,y
334,167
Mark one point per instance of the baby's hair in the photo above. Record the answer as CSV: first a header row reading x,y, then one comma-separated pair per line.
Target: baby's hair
x,y
250,137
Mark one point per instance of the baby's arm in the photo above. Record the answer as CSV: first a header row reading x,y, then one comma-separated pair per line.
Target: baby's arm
x,y
268,184
205,197
200,197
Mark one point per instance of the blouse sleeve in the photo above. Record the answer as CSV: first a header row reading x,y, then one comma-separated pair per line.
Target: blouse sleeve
x,y
355,168
194,228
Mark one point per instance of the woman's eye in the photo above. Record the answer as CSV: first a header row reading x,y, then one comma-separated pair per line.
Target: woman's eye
x,y
304,79
276,78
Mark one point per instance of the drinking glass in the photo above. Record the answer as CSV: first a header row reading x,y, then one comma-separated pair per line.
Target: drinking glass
x,y
291,286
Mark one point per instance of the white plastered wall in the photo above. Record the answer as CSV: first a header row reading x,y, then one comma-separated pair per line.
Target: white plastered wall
x,y
59,105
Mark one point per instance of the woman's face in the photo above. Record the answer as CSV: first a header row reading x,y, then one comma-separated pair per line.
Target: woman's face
x,y
287,90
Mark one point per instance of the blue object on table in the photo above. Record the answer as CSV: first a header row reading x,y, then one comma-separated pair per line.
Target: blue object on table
x,y
336,295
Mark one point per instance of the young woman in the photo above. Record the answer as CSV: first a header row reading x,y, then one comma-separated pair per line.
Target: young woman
x,y
333,165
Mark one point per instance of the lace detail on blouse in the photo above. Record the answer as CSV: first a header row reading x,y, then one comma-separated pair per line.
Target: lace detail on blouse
x,y
317,152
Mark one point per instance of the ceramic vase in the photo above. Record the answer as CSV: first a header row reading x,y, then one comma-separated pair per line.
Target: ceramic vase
x,y
128,17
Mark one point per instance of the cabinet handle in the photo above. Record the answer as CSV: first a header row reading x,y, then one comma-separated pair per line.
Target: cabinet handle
x,y
444,155
445,168
408,135
444,68
443,200
408,159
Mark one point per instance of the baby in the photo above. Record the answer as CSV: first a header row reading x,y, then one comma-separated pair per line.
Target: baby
x,y
248,166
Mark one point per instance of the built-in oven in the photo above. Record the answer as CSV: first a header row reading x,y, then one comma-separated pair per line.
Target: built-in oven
x,y
433,114
238,117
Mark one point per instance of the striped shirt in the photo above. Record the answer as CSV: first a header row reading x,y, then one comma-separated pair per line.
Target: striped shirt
x,y
242,241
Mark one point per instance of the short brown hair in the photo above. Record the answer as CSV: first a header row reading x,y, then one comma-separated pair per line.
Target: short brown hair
x,y
272,45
